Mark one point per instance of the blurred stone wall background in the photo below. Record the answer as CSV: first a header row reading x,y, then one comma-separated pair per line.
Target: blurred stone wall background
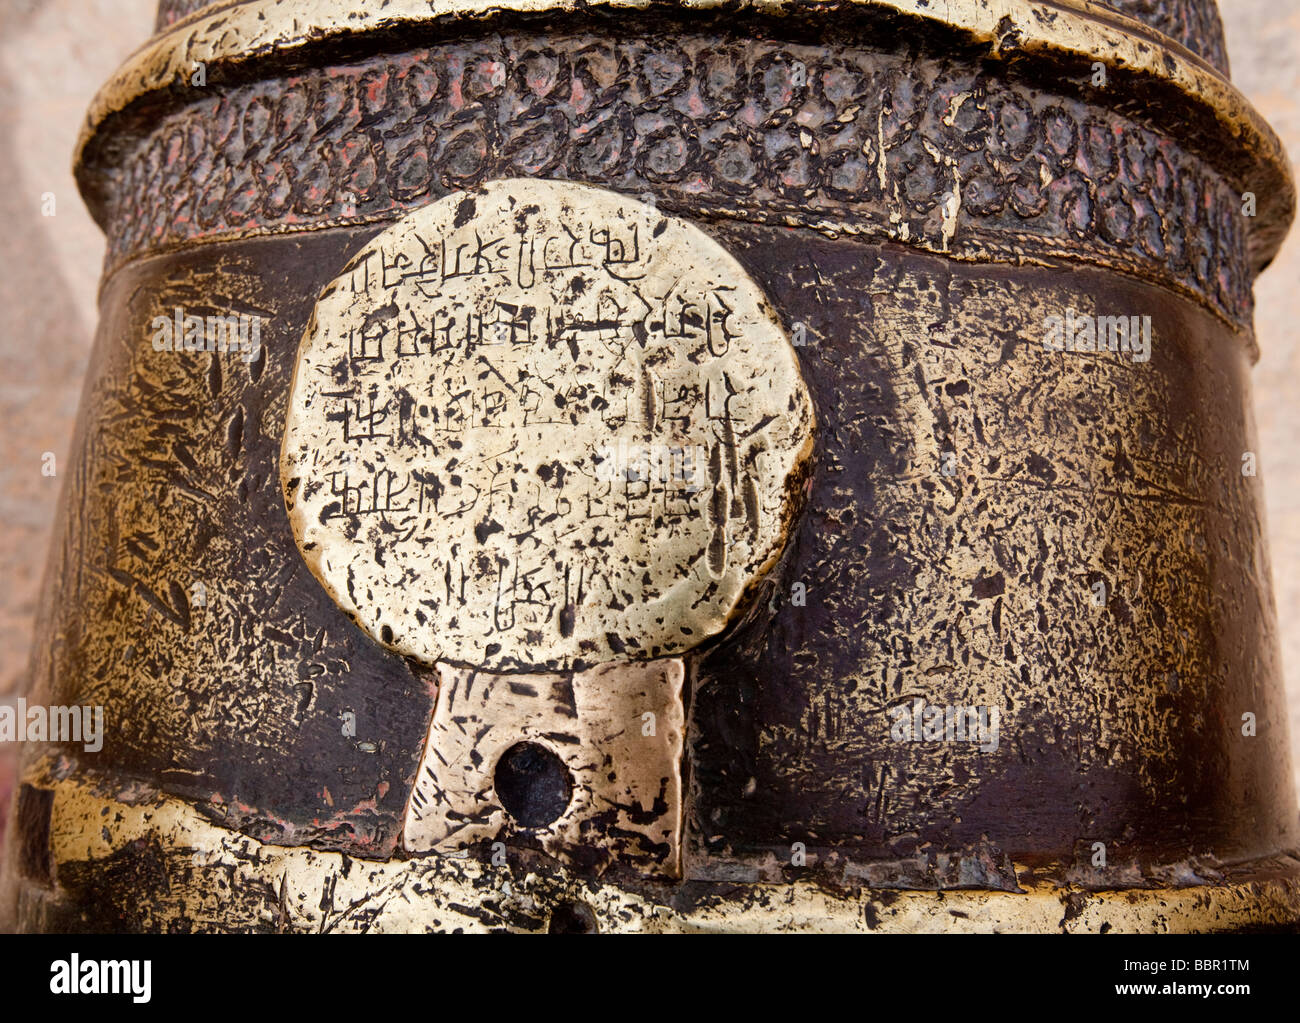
x,y
55,53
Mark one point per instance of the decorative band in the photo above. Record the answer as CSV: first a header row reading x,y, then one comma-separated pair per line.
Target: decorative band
x,y
840,139
1179,91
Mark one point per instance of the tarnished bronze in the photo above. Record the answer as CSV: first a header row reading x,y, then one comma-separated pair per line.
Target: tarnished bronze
x,y
744,466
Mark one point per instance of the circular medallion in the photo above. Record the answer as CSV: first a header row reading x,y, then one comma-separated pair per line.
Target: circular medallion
x,y
540,425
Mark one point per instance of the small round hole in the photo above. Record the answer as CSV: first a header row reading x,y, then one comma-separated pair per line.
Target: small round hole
x,y
572,918
532,784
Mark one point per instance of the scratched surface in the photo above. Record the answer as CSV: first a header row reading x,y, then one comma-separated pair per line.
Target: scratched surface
x,y
240,701
202,878
1194,23
973,588
976,587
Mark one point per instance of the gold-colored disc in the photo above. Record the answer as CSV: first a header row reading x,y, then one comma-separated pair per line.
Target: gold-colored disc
x,y
541,426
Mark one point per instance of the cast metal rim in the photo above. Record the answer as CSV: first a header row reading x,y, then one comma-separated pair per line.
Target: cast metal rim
x,y
209,868
252,32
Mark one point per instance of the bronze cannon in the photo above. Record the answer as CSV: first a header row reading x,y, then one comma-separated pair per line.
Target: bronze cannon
x,y
615,466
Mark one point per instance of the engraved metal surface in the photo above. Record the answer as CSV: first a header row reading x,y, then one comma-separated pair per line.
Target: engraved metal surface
x,y
541,425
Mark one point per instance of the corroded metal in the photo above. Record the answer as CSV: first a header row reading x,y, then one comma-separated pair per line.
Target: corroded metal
x,y
933,501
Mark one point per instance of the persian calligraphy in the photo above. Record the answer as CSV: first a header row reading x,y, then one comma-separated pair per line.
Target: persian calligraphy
x,y
543,426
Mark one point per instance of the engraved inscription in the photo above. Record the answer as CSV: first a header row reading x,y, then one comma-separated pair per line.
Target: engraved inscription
x,y
456,452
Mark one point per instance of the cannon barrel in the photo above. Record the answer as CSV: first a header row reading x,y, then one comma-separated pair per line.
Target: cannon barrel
x,y
667,466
